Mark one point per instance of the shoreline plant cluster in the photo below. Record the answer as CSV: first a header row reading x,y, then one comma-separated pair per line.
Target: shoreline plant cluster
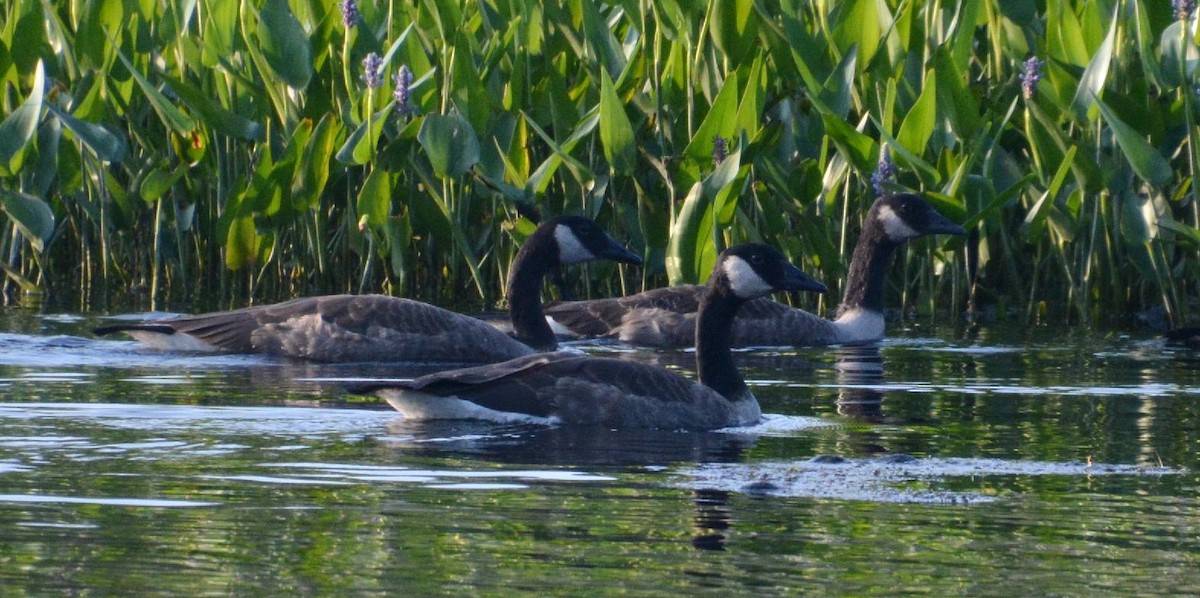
x,y
251,150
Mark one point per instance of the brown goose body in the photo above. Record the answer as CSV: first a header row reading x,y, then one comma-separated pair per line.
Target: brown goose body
x,y
665,317
575,389
382,328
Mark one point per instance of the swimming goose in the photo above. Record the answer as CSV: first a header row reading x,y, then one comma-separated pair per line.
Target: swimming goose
x,y
665,317
582,390
382,328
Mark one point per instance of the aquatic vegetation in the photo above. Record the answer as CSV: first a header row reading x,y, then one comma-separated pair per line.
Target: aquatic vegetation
x,y
241,148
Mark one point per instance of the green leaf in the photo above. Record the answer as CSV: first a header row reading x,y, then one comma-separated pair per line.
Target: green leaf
x,y
616,133
167,112
851,144
1091,84
691,244
242,243
375,199
31,214
358,148
918,124
313,172
857,23
721,120
221,120
106,145
837,95
284,44
734,28
1146,161
218,30
18,127
450,144
158,181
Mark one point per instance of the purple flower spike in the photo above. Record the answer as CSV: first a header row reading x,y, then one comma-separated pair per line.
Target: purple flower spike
x,y
1030,77
1183,9
403,80
885,171
350,16
372,67
720,149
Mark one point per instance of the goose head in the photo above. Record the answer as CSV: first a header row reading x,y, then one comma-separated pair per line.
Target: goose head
x,y
579,239
906,216
754,270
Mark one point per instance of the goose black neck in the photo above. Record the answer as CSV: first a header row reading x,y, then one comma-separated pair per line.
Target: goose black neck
x,y
525,292
868,269
714,337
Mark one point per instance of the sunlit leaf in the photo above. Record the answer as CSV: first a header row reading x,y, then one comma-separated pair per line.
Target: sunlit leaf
x,y
18,127
242,243
375,199
921,118
734,27
158,181
1091,84
691,242
616,133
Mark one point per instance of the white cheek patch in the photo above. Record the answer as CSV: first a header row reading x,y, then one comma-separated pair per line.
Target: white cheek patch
x,y
745,282
570,250
896,228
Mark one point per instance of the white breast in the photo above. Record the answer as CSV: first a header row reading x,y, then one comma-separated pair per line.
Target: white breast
x,y
859,326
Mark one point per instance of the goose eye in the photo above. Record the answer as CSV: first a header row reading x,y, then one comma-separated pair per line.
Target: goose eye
x,y
756,258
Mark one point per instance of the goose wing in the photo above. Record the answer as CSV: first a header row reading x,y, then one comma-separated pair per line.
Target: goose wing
x,y
613,317
573,388
344,328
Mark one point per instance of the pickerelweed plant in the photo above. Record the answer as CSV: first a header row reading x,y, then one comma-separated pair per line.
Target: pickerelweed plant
x,y
256,149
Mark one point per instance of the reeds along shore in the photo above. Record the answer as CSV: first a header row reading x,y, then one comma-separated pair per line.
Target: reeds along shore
x,y
255,150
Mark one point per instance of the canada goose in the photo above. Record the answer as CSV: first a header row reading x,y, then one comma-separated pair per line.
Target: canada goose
x,y
382,328
665,317
577,389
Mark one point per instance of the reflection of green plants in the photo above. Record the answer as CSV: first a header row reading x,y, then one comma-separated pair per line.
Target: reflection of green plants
x,y
239,142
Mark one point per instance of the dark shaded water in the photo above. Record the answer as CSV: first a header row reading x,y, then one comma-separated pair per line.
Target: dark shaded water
x,y
1053,462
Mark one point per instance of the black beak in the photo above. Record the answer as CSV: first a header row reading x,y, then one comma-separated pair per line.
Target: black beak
x,y
796,280
940,225
615,252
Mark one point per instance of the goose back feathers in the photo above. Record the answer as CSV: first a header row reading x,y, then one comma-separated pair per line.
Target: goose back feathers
x,y
665,317
382,328
581,390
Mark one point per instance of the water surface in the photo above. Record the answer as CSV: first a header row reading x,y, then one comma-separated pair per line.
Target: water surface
x,y
985,463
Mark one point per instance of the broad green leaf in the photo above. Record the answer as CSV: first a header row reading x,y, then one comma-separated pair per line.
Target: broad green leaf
x,y
216,116
313,172
101,19
1091,84
857,23
219,30
375,199
856,147
1146,161
1064,35
106,145
31,214
600,39
721,120
158,181
541,177
837,95
734,28
1178,53
167,112
616,133
359,148
691,243
1138,220
450,144
242,243
19,126
921,118
1035,219
284,44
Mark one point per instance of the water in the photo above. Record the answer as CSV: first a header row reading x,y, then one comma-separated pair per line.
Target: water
x,y
986,463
